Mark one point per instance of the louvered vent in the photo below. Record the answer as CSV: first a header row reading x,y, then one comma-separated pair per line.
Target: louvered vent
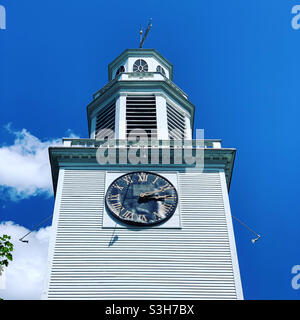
x,y
176,124
105,124
141,115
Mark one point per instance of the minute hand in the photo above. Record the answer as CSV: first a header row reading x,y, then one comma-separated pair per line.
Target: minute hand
x,y
161,189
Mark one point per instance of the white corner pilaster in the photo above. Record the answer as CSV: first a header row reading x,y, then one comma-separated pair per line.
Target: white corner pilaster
x,y
161,117
120,118
234,257
188,129
53,232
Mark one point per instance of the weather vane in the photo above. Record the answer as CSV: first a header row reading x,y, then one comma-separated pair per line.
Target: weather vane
x,y
142,40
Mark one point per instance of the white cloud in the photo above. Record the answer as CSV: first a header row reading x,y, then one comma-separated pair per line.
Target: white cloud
x,y
24,277
25,167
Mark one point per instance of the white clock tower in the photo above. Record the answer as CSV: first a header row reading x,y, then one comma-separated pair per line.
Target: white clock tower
x,y
141,209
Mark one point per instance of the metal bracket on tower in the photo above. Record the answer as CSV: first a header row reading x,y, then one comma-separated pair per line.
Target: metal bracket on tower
x,y
26,241
243,224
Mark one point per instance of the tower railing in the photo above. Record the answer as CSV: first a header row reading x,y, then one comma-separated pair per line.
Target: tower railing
x,y
119,143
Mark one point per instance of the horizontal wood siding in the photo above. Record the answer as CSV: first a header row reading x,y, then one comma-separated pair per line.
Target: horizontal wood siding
x,y
189,263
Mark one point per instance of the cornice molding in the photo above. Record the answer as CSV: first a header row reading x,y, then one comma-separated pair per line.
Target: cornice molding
x,y
62,157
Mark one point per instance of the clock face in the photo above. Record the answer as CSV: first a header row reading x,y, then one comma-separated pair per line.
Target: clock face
x,y
141,198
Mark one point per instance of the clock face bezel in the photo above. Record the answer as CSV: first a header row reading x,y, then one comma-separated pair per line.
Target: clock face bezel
x,y
125,221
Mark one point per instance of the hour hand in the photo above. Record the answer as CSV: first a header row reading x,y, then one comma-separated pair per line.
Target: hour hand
x,y
158,197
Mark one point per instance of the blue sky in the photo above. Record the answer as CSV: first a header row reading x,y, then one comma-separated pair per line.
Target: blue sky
x,y
237,60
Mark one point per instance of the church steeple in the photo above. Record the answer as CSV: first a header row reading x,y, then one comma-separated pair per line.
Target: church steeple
x,y
141,95
136,222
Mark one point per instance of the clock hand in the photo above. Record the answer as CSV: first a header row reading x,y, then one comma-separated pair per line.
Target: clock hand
x,y
161,189
158,197
145,194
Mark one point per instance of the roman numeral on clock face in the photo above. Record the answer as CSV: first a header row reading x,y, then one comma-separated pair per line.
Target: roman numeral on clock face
x,y
127,179
156,178
128,214
166,207
167,187
117,207
143,177
115,197
142,217
170,197
159,215
118,187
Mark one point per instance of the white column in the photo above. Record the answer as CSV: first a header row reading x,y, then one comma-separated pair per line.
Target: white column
x,y
161,118
93,127
188,129
120,118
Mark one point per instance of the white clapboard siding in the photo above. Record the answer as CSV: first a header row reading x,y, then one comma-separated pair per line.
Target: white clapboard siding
x,y
155,263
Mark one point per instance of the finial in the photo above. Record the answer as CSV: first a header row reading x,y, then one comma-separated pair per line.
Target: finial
x,y
147,30
141,34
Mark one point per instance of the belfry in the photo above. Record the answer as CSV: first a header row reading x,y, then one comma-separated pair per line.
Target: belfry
x,y
141,208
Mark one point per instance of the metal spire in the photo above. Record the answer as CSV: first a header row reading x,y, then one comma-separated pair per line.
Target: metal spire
x,y
141,34
147,31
